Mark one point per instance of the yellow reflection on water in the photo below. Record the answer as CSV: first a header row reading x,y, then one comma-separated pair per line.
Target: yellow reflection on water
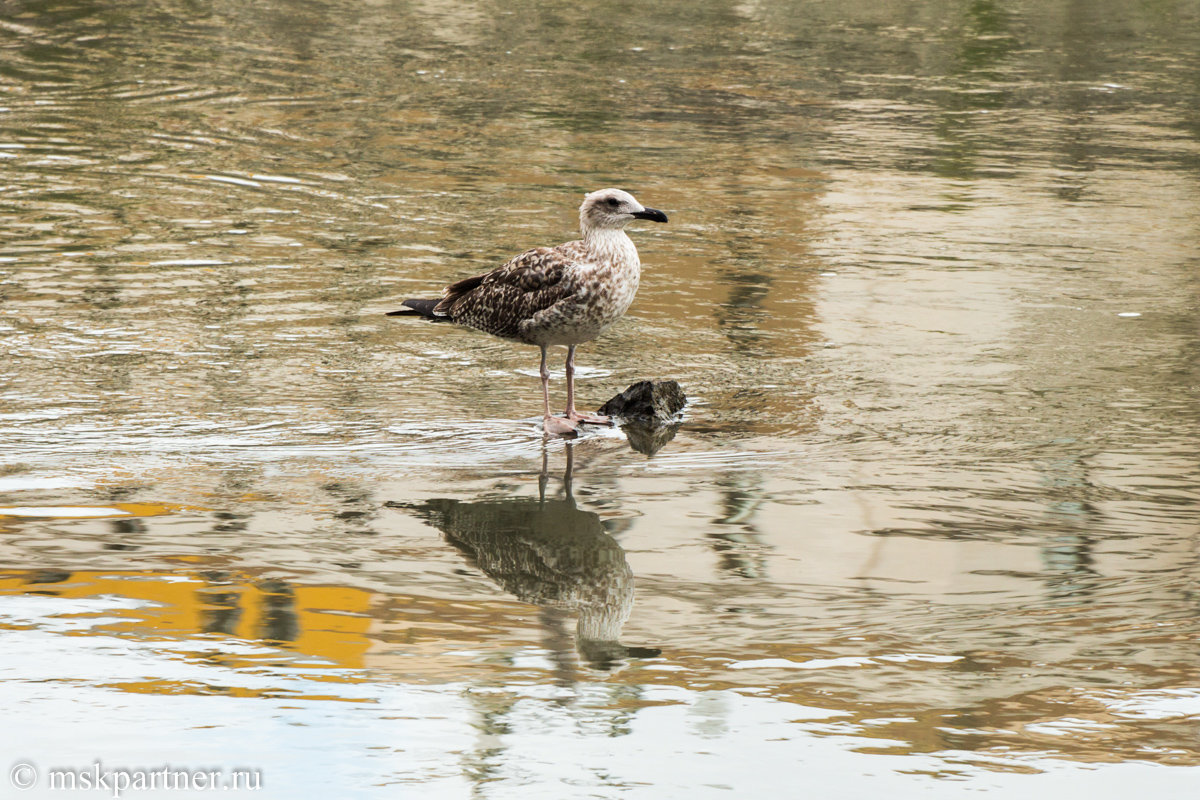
x,y
328,623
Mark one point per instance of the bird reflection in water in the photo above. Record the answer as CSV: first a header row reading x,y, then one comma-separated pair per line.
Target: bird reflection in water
x,y
553,554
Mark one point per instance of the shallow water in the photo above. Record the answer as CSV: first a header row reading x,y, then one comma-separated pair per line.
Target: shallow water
x,y
928,525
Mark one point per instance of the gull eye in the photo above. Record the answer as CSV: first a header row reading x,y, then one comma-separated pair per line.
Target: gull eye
x,y
613,202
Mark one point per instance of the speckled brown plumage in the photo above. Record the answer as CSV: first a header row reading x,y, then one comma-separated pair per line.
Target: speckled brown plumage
x,y
498,302
564,295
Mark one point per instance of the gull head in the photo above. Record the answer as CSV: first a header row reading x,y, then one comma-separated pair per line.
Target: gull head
x,y
613,209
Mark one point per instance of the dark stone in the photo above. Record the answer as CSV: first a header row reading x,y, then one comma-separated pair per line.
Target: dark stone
x,y
647,401
648,412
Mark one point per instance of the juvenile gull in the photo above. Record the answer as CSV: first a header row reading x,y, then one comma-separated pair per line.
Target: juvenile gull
x,y
564,295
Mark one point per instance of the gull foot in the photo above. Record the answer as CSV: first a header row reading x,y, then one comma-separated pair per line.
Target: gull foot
x,y
590,419
557,426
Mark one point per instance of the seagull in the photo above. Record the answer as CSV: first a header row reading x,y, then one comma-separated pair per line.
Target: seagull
x,y
555,296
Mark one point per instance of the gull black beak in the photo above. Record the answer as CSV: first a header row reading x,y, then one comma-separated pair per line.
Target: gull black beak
x,y
652,214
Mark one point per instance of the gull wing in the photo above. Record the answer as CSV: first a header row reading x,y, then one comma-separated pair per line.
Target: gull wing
x,y
499,301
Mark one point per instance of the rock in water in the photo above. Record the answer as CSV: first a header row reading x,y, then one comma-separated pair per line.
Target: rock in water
x,y
650,401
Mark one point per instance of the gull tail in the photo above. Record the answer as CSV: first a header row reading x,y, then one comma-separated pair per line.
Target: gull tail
x,y
418,308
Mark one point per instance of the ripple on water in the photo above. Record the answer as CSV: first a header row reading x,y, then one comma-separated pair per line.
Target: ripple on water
x,y
927,524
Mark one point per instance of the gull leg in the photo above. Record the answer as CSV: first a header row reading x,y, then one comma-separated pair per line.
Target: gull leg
x,y
551,424
572,414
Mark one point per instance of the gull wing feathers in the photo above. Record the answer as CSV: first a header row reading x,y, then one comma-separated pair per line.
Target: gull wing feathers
x,y
498,301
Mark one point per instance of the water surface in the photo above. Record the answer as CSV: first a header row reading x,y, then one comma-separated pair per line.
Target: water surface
x,y
930,283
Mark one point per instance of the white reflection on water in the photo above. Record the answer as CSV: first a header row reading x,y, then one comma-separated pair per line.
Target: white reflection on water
x,y
437,740
930,521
